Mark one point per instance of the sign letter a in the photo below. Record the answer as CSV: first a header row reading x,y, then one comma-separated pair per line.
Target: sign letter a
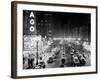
x,y
31,14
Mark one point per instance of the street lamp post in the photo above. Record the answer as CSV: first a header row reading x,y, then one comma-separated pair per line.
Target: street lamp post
x,y
37,52
38,38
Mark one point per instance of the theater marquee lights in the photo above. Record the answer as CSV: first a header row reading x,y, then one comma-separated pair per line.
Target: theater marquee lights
x,y
32,22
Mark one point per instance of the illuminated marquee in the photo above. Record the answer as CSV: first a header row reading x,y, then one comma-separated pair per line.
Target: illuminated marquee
x,y
32,22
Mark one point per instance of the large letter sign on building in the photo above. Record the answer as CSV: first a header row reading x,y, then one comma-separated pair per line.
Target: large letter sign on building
x,y
32,22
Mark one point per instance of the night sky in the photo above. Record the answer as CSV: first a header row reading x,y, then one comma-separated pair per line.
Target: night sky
x,y
71,24
59,24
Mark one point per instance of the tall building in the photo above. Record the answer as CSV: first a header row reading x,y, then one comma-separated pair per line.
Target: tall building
x,y
44,22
